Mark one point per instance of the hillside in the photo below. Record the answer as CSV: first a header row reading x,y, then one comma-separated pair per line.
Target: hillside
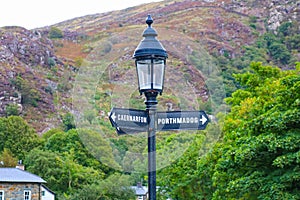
x,y
44,75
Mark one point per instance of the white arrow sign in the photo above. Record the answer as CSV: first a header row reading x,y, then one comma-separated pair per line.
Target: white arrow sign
x,y
182,120
129,120
203,119
113,117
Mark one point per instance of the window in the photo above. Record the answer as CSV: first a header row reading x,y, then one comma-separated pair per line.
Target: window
x,y
1,195
27,195
43,193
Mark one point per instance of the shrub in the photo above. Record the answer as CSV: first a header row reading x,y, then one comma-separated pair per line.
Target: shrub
x,y
12,109
51,62
55,33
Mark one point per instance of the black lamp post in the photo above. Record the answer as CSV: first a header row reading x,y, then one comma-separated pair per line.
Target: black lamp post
x,y
150,60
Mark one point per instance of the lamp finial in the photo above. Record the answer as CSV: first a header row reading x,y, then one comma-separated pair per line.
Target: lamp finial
x,y
149,20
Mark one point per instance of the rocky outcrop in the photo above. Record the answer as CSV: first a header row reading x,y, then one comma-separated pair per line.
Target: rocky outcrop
x,y
19,46
26,57
282,10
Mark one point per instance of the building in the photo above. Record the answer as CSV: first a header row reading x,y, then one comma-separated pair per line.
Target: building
x,y
141,192
47,194
18,184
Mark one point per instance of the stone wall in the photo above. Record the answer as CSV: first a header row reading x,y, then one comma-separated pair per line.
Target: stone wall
x,y
15,191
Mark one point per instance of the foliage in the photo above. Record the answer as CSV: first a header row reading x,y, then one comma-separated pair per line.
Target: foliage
x,y
279,52
17,136
51,62
55,33
7,159
12,109
90,115
189,177
259,158
68,121
64,142
97,146
281,49
78,61
178,179
65,84
30,96
115,187
61,171
66,164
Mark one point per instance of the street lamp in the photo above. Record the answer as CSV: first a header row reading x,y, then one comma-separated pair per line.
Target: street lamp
x,y
150,60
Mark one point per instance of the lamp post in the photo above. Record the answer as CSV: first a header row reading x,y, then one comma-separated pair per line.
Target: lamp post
x,y
150,60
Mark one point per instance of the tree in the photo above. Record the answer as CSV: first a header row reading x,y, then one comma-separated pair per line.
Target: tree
x,y
259,157
12,109
61,171
7,159
17,136
280,52
46,164
29,95
179,179
115,187
189,177
68,121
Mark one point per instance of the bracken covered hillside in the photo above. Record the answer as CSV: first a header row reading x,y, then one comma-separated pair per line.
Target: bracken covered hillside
x,y
38,67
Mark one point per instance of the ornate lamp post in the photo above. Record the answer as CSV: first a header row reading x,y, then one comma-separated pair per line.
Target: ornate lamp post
x,y
150,60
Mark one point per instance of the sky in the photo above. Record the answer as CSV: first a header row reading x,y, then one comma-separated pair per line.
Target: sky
x,y
38,13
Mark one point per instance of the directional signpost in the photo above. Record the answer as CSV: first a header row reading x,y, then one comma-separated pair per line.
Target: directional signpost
x,y
129,120
134,121
181,120
150,61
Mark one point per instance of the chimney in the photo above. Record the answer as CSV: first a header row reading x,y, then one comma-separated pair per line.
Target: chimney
x,y
139,185
20,165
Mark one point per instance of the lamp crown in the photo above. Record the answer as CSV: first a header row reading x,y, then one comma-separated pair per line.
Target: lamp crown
x,y
150,46
149,20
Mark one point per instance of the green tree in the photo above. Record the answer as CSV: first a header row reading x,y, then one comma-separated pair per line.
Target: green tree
x,y
63,142
12,109
115,187
61,171
179,179
17,136
100,148
259,157
30,96
68,121
190,177
279,52
7,159
46,164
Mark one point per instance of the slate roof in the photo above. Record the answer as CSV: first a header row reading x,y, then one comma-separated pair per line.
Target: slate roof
x,y
140,190
19,176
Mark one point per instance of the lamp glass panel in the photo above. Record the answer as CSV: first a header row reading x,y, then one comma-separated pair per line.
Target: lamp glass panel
x,y
158,73
144,73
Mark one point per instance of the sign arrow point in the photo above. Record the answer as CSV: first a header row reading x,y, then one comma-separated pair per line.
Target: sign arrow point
x,y
113,117
203,119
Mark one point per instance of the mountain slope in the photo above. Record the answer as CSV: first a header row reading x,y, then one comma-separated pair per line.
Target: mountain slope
x,y
38,73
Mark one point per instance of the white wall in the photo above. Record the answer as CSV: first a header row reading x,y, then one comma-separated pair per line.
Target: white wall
x,y
47,195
